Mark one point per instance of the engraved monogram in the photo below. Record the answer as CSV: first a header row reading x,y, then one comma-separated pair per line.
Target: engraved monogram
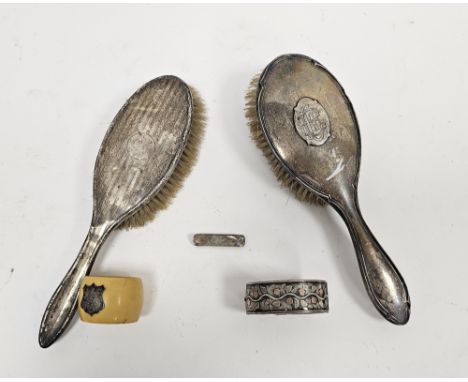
x,y
140,146
311,121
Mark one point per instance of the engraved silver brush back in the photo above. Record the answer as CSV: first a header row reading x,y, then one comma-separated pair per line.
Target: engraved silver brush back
x,y
141,148
310,124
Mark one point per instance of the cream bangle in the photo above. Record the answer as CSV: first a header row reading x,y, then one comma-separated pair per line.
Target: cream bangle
x,y
110,300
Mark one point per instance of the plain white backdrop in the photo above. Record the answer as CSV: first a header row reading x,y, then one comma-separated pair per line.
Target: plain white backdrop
x,y
65,70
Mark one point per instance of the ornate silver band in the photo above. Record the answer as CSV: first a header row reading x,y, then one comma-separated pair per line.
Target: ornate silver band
x,y
286,296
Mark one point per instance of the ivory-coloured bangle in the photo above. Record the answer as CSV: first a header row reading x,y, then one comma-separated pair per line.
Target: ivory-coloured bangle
x,y
110,299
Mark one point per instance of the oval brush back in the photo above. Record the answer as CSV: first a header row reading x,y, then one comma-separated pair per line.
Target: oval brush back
x,y
141,148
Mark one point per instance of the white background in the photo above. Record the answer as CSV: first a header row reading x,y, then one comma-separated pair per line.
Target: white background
x,y
65,70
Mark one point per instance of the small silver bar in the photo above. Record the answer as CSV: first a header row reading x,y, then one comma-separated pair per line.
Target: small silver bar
x,y
218,240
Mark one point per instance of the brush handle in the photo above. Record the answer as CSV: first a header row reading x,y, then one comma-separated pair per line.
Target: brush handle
x,y
62,305
384,284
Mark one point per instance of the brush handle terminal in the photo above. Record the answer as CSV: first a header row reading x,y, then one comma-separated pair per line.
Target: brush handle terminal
x,y
384,283
63,304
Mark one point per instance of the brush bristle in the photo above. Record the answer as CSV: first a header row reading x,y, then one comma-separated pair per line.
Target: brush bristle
x,y
164,197
256,133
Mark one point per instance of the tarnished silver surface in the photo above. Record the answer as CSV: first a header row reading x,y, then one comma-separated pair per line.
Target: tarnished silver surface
x,y
331,169
138,155
93,301
218,240
288,296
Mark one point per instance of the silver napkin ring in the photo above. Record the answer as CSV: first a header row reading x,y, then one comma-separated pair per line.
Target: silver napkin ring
x,y
286,296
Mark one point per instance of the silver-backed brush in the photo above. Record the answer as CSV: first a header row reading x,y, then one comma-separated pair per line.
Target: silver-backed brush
x,y
148,150
302,120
